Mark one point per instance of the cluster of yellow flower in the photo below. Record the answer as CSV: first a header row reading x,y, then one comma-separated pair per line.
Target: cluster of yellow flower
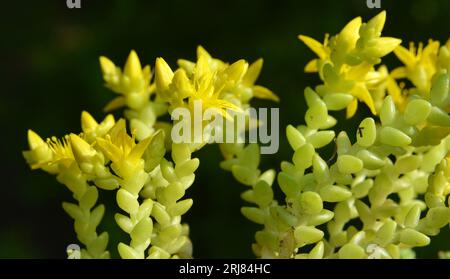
x,y
346,64
421,65
77,163
149,187
381,178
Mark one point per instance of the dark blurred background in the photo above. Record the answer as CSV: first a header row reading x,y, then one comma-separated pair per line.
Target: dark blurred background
x,y
49,73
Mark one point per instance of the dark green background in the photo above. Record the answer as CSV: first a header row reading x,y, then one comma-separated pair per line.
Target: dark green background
x,y
49,73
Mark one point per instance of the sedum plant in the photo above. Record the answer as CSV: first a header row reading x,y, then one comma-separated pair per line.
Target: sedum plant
x,y
148,171
384,191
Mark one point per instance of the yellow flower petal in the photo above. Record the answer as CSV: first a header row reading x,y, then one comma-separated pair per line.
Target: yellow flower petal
x,y
352,107
311,67
398,73
138,150
202,68
111,151
182,84
385,45
133,68
394,90
431,49
118,129
80,148
147,73
360,91
188,66
88,122
163,75
405,56
212,63
314,45
107,123
114,104
201,51
222,104
377,22
40,165
264,93
34,140
107,66
350,33
375,77
236,71
253,72
359,72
